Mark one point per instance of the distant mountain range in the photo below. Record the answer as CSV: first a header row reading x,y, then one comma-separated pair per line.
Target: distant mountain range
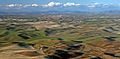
x,y
61,12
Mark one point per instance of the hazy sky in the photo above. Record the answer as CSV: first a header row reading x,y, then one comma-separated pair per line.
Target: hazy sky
x,y
62,1
58,5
